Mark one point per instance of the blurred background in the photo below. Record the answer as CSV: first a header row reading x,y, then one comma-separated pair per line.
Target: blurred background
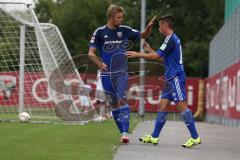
x,y
210,35
209,31
196,24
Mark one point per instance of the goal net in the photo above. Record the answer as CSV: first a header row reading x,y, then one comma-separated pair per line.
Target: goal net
x,y
37,73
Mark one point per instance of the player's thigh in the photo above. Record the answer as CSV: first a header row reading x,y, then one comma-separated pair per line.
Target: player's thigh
x,y
121,84
109,90
179,84
180,93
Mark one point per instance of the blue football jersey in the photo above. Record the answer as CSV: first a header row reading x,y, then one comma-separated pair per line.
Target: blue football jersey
x,y
112,45
171,51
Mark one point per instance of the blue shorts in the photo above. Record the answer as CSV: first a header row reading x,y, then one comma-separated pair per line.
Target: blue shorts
x,y
174,89
115,86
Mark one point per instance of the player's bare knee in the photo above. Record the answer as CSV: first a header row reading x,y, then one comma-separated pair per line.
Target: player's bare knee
x,y
181,106
163,104
121,103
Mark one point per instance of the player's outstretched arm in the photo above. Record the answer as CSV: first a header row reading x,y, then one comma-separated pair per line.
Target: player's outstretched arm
x,y
146,33
152,56
94,58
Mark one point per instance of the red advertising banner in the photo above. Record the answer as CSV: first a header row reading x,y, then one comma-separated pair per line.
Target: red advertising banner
x,y
37,93
223,93
152,98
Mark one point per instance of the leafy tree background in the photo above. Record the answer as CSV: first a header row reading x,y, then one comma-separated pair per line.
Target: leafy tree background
x,y
196,24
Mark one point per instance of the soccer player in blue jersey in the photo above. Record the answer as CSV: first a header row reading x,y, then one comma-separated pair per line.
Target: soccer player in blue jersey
x,y
170,53
112,41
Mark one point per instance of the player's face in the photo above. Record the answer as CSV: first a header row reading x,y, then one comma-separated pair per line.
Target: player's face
x,y
162,27
117,19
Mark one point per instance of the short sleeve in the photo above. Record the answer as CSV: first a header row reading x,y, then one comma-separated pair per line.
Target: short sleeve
x,y
167,46
133,34
94,42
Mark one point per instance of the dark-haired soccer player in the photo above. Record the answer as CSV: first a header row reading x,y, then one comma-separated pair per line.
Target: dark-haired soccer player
x,y
112,40
170,53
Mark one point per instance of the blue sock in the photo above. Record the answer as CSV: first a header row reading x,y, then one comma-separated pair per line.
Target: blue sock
x,y
125,116
117,118
189,121
160,121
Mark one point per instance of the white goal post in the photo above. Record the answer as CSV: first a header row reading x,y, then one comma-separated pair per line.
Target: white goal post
x,y
31,53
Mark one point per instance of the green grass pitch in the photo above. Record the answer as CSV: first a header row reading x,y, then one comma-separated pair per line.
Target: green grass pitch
x,y
29,141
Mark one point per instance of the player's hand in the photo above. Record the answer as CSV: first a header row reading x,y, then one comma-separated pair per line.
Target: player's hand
x,y
131,54
146,47
103,67
150,24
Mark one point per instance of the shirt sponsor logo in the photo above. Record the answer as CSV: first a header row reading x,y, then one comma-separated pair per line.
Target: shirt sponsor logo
x,y
112,42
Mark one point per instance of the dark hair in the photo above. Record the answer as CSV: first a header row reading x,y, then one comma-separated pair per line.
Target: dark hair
x,y
168,19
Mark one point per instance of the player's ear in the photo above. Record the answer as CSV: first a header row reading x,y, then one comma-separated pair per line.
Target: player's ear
x,y
110,18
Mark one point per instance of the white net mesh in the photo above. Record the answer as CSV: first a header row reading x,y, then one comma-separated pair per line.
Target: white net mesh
x,y
47,62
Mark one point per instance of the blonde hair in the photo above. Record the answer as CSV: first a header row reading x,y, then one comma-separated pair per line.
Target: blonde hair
x,y
113,9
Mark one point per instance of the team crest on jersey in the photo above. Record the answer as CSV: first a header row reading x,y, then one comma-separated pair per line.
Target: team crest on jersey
x,y
119,34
